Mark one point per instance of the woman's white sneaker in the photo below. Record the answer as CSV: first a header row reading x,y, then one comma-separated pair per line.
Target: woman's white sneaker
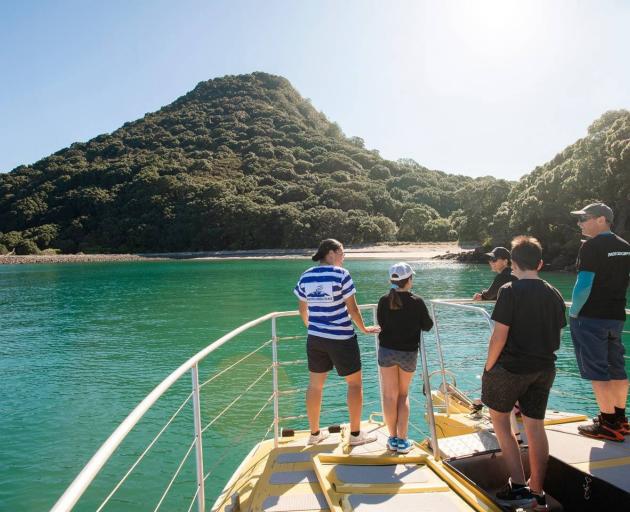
x,y
361,438
323,434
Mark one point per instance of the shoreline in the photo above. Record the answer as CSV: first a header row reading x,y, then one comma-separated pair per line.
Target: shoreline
x,y
418,251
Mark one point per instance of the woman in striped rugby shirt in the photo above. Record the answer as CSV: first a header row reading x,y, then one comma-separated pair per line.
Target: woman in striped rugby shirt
x,y
327,305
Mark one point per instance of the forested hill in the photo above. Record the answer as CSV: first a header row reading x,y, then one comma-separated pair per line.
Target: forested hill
x,y
245,162
239,162
595,168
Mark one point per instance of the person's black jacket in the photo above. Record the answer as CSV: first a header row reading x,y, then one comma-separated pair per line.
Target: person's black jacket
x,y
505,276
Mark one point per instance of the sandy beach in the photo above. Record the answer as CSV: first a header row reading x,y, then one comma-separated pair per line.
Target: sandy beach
x,y
386,252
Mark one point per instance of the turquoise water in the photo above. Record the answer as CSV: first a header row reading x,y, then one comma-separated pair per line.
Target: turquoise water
x,y
81,345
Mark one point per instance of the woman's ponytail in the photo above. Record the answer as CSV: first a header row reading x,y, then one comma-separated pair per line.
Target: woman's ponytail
x,y
330,244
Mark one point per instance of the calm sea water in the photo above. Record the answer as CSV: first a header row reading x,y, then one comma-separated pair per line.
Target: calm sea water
x,y
81,345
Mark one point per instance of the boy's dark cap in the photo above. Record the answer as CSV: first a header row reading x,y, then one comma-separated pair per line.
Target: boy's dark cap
x,y
499,253
596,210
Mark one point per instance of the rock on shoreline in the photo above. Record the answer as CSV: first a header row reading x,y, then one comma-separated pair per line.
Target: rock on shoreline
x,y
478,256
475,256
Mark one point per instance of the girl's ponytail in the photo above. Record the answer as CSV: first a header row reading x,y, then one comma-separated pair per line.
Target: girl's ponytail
x,y
394,298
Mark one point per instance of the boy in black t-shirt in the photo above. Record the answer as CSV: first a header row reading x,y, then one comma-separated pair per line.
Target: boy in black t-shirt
x,y
529,315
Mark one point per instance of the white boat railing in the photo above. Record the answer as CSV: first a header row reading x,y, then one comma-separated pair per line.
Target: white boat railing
x,y
461,304
83,480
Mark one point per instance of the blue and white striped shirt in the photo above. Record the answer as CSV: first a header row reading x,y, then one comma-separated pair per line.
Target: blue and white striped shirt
x,y
324,289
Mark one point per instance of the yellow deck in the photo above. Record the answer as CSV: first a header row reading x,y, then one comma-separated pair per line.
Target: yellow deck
x,y
333,476
310,478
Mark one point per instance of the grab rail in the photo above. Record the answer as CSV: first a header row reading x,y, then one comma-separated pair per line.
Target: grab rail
x,y
82,481
465,304
456,303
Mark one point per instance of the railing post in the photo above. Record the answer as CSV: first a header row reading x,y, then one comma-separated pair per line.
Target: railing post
x,y
435,447
201,497
274,372
378,372
441,356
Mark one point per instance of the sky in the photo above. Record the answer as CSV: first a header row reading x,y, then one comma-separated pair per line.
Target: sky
x,y
477,87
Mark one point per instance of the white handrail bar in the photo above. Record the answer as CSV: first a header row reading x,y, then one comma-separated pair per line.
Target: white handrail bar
x,y
472,301
81,482
435,448
201,493
98,460
276,393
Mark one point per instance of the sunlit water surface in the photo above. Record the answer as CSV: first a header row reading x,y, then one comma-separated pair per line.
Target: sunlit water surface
x,y
82,344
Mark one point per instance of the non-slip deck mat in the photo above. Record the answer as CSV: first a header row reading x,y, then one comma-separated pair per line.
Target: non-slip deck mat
x,y
295,503
468,444
567,445
305,456
390,474
331,440
293,477
420,502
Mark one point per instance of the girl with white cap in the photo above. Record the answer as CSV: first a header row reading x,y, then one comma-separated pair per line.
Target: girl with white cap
x,y
401,315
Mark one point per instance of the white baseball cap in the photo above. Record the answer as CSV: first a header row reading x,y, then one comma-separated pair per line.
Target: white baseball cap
x,y
399,271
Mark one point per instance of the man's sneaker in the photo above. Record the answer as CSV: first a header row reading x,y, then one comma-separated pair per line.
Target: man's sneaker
x,y
392,443
361,438
622,425
602,430
404,445
512,496
539,504
323,434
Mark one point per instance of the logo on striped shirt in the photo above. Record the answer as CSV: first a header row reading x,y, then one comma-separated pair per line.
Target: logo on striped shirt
x,y
319,292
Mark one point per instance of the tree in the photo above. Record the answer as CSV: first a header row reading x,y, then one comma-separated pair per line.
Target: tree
x,y
413,223
26,247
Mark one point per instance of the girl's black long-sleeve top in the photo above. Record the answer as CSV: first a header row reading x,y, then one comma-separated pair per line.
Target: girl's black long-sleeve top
x,y
400,328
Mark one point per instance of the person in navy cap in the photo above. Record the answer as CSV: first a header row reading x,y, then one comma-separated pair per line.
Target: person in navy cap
x,y
500,262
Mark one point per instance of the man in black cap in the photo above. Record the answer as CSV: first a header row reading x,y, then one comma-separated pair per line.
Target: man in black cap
x,y
500,261
597,316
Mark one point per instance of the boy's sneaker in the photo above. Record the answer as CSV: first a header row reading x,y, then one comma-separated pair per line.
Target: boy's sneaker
x,y
392,443
622,425
323,434
515,496
361,438
602,430
404,445
540,502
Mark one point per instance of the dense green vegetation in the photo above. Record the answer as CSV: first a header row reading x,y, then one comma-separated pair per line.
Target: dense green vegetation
x,y
239,162
595,168
245,162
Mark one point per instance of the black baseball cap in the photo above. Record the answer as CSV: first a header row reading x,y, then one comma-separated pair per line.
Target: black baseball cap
x,y
499,253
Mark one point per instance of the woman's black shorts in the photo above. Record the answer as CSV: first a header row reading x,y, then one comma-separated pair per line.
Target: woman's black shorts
x,y
324,353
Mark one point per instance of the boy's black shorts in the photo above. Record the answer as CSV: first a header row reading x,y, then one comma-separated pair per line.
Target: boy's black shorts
x,y
501,389
323,354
